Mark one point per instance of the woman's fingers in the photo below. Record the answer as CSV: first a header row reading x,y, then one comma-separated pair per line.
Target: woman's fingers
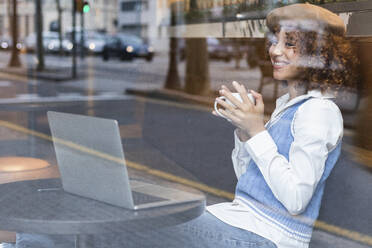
x,y
243,93
229,96
241,112
246,105
225,105
229,116
229,109
258,98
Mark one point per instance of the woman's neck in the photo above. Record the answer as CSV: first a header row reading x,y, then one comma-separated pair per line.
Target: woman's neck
x,y
294,89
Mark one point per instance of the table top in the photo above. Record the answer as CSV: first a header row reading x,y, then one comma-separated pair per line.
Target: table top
x,y
25,209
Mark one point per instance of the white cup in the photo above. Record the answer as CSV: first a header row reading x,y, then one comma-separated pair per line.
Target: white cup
x,y
237,96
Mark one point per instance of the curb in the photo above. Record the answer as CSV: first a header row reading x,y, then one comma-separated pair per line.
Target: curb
x,y
54,75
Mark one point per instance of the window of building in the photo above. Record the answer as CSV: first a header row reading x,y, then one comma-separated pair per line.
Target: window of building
x,y
134,6
138,30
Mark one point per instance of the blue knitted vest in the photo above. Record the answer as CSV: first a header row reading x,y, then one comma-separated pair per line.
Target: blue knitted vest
x,y
253,190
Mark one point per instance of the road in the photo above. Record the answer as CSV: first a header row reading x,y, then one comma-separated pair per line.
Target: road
x,y
180,139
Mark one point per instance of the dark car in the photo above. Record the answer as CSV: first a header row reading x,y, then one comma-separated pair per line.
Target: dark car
x,y
219,50
127,47
216,49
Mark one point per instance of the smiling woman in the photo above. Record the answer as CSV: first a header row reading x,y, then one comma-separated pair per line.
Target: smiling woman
x,y
323,57
282,166
284,57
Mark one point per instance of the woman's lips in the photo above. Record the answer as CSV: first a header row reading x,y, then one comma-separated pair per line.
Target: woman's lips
x,y
279,64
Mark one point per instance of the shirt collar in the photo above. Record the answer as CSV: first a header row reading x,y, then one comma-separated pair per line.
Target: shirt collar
x,y
283,102
319,94
312,93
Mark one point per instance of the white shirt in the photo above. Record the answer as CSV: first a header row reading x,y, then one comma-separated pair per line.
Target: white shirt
x,y
317,128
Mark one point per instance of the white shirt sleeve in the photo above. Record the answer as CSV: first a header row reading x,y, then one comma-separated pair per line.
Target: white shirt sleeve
x,y
240,157
317,128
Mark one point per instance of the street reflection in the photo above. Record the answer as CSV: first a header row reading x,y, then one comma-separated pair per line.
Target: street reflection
x,y
156,67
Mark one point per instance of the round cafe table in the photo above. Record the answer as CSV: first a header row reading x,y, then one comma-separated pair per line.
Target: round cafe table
x,y
27,209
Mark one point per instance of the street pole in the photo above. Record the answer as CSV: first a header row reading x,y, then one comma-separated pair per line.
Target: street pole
x,y
39,36
59,11
73,38
139,13
82,34
173,79
105,17
14,60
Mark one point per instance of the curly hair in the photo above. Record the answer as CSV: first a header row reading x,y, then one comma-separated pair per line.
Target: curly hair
x,y
327,60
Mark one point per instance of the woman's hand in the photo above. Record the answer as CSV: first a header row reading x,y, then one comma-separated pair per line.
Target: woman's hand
x,y
247,116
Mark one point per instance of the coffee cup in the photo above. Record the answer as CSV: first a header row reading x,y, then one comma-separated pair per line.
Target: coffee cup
x,y
237,96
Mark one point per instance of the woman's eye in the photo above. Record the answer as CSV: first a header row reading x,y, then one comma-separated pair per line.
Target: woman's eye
x,y
288,44
273,41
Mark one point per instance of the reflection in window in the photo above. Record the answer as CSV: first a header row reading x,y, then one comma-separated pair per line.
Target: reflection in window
x,y
134,6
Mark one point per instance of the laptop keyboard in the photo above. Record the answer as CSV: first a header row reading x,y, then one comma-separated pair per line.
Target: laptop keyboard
x,y
140,198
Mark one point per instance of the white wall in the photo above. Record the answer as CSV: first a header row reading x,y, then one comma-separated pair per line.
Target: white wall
x,y
102,15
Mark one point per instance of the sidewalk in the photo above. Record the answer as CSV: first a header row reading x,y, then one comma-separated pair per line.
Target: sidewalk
x,y
55,70
56,74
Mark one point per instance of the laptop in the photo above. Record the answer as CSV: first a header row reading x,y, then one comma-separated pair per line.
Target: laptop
x,y
91,163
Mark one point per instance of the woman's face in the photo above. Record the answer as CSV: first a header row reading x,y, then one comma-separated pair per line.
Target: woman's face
x,y
284,57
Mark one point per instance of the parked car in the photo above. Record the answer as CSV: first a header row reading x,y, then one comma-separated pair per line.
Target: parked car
x,y
31,40
216,49
93,41
127,47
7,44
53,46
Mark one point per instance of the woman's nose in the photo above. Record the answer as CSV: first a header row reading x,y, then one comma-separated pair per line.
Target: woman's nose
x,y
278,49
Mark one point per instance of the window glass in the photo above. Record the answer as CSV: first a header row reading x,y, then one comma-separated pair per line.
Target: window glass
x,y
154,70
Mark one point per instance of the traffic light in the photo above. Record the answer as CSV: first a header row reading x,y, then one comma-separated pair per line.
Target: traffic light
x,y
82,6
86,7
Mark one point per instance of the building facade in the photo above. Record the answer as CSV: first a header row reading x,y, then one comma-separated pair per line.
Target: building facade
x,y
146,19
102,16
